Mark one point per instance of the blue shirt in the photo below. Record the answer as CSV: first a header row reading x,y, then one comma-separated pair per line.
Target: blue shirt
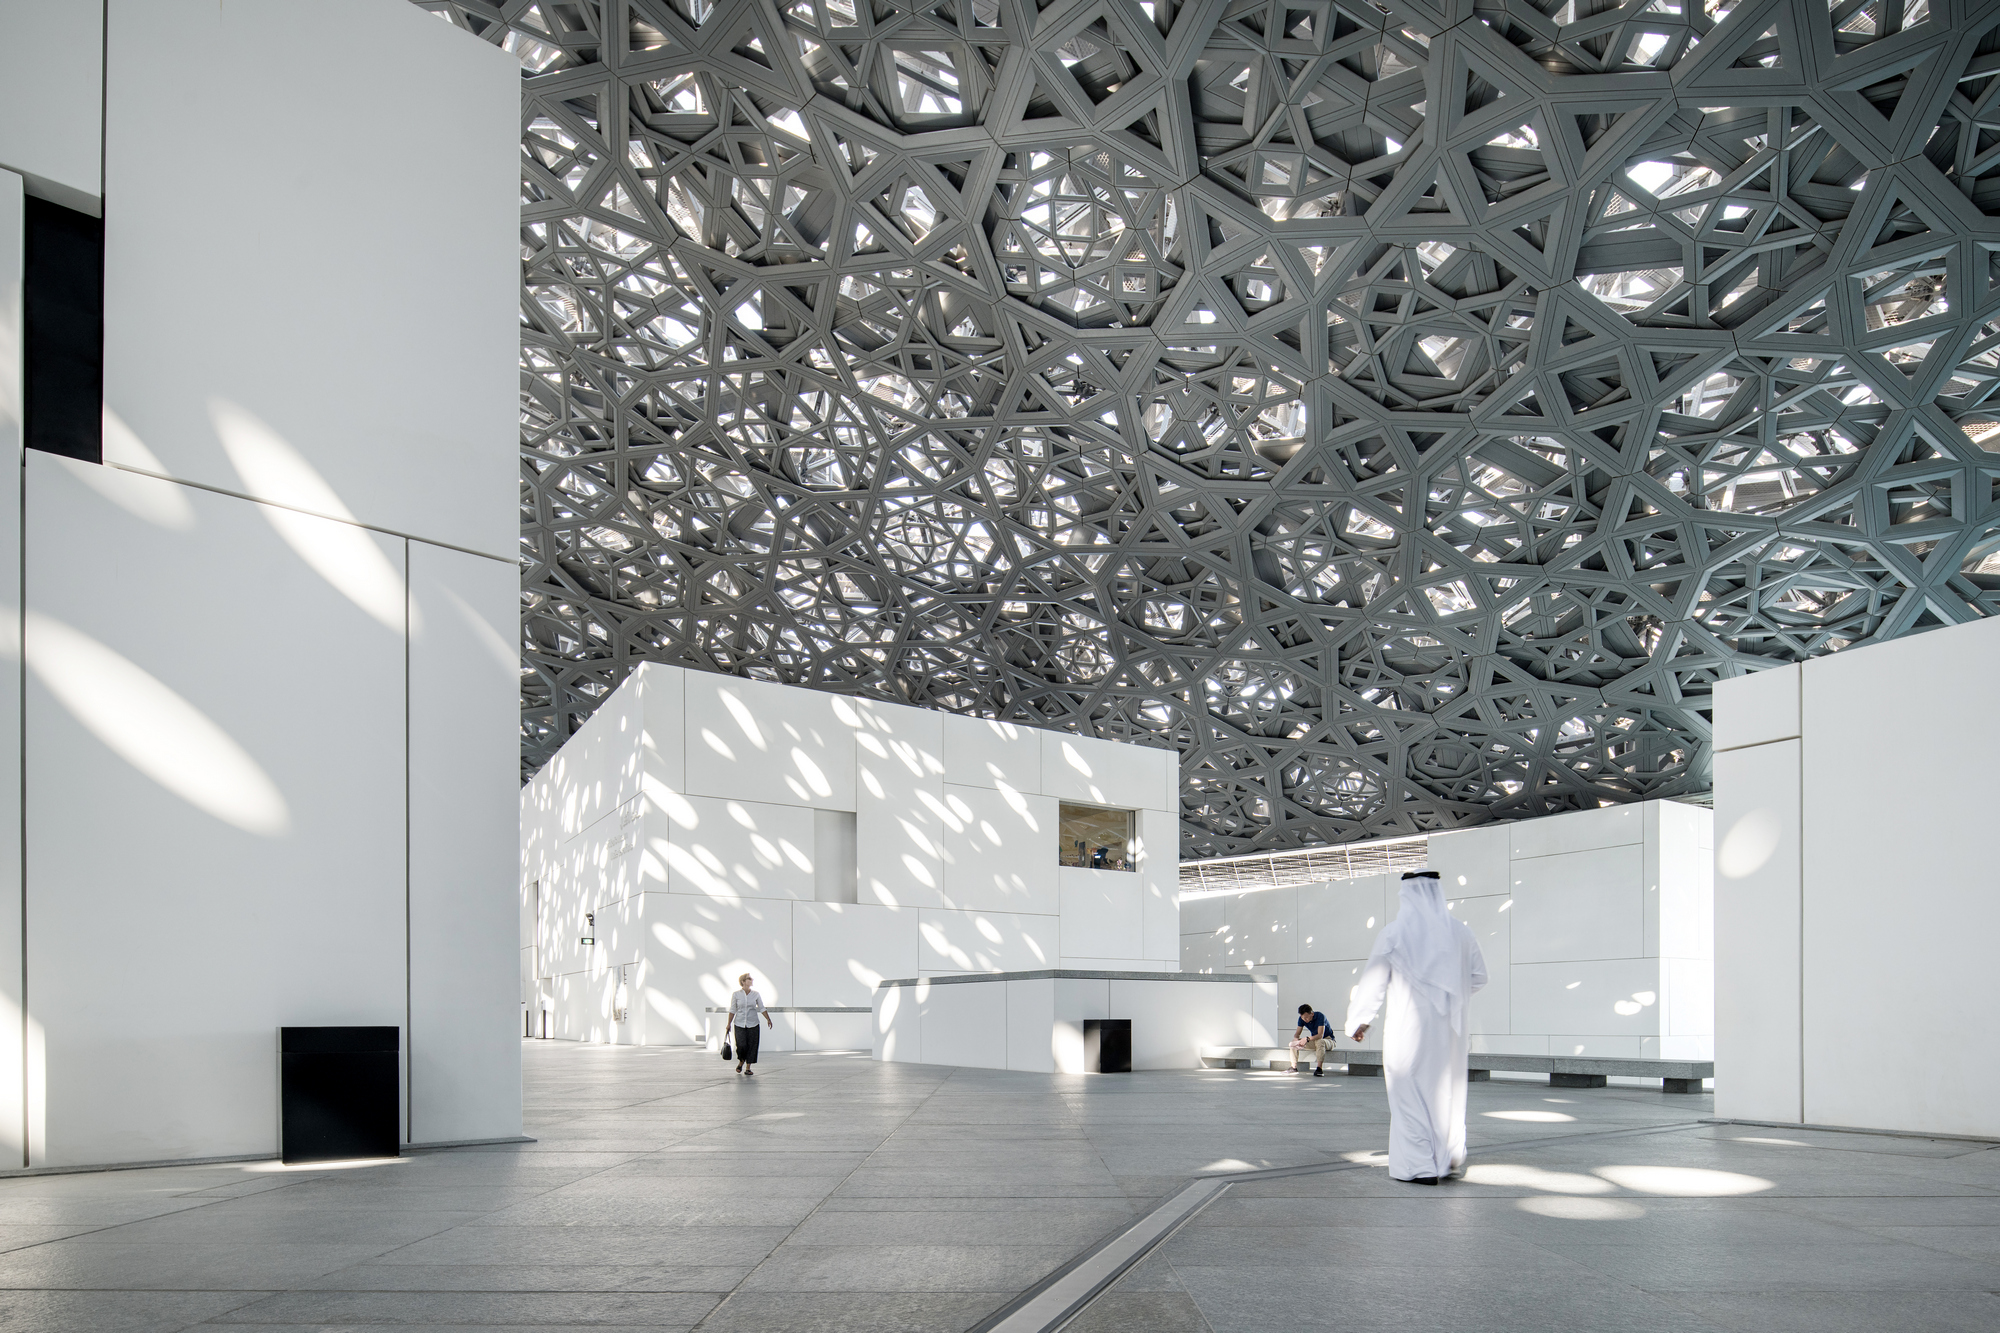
x,y
1316,1025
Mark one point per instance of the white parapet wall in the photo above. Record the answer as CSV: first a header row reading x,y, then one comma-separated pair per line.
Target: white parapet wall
x,y
700,826
1033,1021
1855,904
1596,927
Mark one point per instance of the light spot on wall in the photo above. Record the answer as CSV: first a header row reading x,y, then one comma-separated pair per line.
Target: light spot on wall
x,y
340,552
746,722
815,779
152,728
162,504
1075,760
1749,844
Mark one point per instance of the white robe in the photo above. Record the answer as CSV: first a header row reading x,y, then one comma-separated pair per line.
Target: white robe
x,y
1423,1060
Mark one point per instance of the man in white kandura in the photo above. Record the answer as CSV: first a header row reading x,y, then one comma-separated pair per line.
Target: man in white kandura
x,y
1427,965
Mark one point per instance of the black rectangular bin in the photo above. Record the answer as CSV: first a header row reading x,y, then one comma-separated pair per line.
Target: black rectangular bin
x,y
339,1089
1107,1045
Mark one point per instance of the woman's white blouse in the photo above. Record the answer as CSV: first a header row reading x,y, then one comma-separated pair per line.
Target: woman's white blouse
x,y
744,1006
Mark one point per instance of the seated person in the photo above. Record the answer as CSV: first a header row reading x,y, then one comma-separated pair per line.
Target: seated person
x,y
1314,1034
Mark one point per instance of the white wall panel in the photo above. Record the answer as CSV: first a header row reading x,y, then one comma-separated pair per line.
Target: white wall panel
x,y
1491,1011
598,772
251,750
1159,884
1578,831
1100,772
751,740
1000,850
1618,998
1473,862
1685,911
899,805
1898,909
52,98
400,367
1326,985
840,950
980,752
464,707
1077,998
1687,1028
1103,913
899,1029
1339,919
1203,913
1587,904
1758,708
739,849
1031,1017
701,945
1757,1051
829,1032
1264,926
663,714
985,941
966,1026
1172,1021
1203,953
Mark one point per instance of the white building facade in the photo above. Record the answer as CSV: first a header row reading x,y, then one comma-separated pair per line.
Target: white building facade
x,y
700,826
259,701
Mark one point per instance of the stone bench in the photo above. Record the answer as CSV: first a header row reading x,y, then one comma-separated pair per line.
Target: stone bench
x,y
1243,1057
1564,1071
1590,1071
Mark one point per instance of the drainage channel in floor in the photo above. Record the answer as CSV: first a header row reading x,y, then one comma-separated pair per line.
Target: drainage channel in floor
x,y
1066,1293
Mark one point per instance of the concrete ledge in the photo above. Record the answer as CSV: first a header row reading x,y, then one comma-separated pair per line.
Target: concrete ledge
x,y
1624,1067
805,1009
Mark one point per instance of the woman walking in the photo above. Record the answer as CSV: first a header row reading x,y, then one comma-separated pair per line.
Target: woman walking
x,y
744,1006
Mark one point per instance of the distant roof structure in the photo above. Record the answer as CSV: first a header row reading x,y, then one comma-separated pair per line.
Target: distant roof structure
x,y
1310,865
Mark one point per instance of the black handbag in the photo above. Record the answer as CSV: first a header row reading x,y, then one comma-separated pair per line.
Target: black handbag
x,y
727,1054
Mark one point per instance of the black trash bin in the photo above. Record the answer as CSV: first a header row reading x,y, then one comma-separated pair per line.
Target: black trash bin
x,y
1107,1045
339,1089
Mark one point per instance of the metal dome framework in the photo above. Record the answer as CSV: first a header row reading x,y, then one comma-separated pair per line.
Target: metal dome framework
x,y
1407,412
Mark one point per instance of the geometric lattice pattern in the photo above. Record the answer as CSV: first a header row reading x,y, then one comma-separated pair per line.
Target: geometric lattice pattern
x,y
1405,411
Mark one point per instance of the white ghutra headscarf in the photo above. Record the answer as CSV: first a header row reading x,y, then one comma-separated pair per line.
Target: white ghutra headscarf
x,y
1425,949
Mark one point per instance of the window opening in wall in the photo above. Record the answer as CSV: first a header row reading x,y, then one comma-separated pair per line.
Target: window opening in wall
x,y
1094,837
62,314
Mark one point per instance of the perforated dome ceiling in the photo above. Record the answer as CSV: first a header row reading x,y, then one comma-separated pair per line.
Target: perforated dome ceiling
x,y
1406,412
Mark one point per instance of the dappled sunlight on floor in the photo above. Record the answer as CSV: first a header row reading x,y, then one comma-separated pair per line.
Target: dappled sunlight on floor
x,y
832,1192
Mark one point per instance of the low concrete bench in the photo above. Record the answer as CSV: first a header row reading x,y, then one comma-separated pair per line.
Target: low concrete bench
x,y
1564,1071
1590,1071
1243,1057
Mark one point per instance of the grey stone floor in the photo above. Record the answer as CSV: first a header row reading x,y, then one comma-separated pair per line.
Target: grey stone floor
x,y
833,1194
